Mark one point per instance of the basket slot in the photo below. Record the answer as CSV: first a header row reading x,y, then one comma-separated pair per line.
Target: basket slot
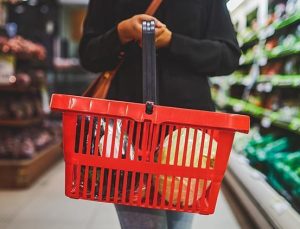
x,y
146,140
187,196
104,146
96,183
81,134
163,194
109,183
155,131
117,183
77,136
93,143
124,188
123,130
140,189
75,180
186,142
192,161
137,136
130,131
161,142
113,140
96,139
88,141
156,187
148,190
81,182
204,131
171,191
179,193
204,194
85,134
87,181
101,180
170,146
132,187
170,131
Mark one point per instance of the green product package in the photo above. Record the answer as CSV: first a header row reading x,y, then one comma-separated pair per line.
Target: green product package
x,y
285,170
258,142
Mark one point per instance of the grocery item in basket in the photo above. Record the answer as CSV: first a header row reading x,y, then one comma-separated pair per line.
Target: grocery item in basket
x,y
113,151
188,163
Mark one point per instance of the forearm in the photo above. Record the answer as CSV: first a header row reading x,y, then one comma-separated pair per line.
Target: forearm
x,y
100,52
207,56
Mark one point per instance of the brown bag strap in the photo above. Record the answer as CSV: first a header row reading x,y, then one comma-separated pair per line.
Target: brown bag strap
x,y
153,7
100,86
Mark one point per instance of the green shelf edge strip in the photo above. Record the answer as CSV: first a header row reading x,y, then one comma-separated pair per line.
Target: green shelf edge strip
x,y
277,26
275,80
259,112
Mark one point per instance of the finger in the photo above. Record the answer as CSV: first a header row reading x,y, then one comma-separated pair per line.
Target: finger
x,y
145,17
159,32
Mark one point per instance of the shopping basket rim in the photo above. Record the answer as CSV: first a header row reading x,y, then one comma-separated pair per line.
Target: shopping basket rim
x,y
161,114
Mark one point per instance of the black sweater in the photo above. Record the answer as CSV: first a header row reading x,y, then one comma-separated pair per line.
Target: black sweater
x,y
203,44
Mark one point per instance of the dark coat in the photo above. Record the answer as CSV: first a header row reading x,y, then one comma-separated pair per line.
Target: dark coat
x,y
203,44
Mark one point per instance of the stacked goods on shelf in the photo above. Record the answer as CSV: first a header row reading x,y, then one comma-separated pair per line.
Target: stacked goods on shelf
x,y
29,144
266,86
277,158
22,48
282,18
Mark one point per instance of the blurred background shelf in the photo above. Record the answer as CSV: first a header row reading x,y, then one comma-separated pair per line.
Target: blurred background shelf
x,y
274,118
21,123
22,173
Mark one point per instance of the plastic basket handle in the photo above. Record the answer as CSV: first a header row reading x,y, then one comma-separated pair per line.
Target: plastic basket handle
x,y
149,63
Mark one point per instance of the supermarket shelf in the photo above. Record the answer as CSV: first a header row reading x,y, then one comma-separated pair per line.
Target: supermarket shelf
x,y
21,123
273,29
22,173
277,55
287,22
259,112
250,42
263,204
276,80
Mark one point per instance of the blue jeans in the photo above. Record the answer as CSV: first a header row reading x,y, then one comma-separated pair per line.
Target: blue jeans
x,y
141,218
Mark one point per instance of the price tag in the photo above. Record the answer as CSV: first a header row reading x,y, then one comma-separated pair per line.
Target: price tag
x,y
263,61
7,68
238,107
268,87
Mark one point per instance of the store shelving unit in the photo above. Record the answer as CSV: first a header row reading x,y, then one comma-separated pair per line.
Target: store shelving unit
x,y
18,169
274,118
292,81
249,188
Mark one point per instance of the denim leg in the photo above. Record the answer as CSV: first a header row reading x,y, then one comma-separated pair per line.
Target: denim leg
x,y
141,218
179,220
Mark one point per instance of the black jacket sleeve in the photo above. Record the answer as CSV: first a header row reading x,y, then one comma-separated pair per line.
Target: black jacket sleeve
x,y
100,45
218,53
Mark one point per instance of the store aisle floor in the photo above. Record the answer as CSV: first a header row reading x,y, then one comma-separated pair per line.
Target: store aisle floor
x,y
44,206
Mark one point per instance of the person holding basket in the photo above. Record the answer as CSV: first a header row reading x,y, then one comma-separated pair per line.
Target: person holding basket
x,y
195,39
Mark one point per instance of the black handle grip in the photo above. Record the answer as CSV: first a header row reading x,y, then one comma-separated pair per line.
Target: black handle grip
x,y
149,62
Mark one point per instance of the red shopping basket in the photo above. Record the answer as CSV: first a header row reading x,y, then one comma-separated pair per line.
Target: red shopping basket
x,y
145,155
